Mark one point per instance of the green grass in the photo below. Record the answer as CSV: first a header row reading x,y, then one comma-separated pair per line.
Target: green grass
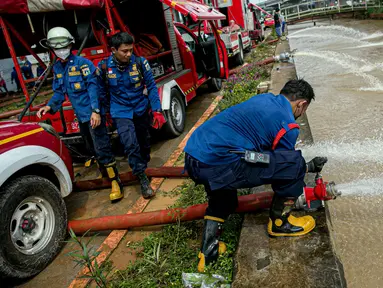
x,y
20,104
243,85
374,10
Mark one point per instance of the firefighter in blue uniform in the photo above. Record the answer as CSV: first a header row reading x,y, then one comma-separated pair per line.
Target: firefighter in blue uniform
x,y
215,158
131,95
78,78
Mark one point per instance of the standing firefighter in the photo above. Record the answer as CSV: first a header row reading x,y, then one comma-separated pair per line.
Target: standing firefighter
x,y
214,157
77,77
133,98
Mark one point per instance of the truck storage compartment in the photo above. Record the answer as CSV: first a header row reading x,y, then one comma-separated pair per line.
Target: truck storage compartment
x,y
144,19
146,22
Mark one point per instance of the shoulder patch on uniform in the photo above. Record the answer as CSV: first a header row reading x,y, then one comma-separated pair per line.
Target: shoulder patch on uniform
x,y
147,66
58,76
84,66
85,71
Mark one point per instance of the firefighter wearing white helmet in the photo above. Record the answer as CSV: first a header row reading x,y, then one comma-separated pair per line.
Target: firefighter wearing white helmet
x,y
77,77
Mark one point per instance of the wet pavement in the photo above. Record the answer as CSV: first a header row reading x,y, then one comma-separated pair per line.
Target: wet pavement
x,y
82,205
300,262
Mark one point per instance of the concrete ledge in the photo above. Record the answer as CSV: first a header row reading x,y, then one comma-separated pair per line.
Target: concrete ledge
x,y
306,261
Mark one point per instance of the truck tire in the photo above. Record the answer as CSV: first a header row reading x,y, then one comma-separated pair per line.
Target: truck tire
x,y
248,49
215,84
239,57
33,221
176,115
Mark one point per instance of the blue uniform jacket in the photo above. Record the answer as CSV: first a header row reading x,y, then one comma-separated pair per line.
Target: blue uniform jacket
x,y
77,78
251,125
126,89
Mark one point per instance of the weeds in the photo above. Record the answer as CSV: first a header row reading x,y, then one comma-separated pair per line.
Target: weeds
x,y
243,85
86,257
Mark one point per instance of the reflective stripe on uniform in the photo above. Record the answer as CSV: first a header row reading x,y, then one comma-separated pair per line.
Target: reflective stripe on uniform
x,y
282,133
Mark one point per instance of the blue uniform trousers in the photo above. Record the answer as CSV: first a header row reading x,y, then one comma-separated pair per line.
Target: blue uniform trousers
x,y
97,141
285,173
135,137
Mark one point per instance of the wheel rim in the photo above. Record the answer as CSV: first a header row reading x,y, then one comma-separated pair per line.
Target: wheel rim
x,y
176,112
32,225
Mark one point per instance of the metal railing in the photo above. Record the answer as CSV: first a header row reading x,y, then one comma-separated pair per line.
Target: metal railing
x,y
326,7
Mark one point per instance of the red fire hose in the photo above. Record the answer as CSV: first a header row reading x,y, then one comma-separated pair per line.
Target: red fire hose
x,y
266,61
246,203
128,177
322,191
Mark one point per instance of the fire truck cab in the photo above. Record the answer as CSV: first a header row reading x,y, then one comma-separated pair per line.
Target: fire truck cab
x,y
241,26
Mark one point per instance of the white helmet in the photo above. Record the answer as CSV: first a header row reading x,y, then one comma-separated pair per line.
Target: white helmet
x,y
59,37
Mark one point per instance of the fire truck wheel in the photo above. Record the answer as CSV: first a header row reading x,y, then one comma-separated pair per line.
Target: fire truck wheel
x,y
176,115
239,56
33,221
215,84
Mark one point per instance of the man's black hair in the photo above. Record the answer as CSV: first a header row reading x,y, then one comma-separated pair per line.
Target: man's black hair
x,y
121,38
277,10
298,89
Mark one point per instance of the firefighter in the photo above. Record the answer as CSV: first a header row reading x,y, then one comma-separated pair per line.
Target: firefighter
x,y
215,158
132,96
15,78
78,78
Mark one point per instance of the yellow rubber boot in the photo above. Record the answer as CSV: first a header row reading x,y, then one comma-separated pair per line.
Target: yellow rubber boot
x,y
202,263
282,223
117,191
89,162
221,247
211,247
292,226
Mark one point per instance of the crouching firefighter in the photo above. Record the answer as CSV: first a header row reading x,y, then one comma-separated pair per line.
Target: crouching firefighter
x,y
131,92
77,77
249,145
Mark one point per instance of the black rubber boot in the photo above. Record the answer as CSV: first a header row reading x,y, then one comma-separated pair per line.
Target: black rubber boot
x,y
102,169
211,246
146,190
282,223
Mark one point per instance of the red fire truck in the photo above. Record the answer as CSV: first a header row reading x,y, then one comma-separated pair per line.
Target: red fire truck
x,y
241,26
181,60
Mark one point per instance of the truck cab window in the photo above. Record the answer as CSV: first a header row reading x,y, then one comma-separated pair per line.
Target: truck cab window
x,y
188,38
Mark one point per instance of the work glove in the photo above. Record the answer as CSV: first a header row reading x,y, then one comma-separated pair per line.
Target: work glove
x,y
158,120
316,164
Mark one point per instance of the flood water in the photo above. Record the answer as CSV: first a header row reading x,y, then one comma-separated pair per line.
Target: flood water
x,y
343,60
